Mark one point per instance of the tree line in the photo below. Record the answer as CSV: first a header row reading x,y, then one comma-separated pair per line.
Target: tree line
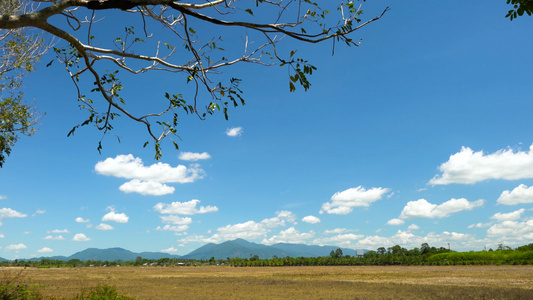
x,y
396,255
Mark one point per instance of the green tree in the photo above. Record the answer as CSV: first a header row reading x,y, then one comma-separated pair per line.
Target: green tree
x,y
188,47
255,257
424,248
20,49
397,250
338,253
74,262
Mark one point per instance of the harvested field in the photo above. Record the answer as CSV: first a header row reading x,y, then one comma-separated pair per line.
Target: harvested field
x,y
338,282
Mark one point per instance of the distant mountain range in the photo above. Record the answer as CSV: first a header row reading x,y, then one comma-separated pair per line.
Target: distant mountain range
x,y
244,249
236,248
111,254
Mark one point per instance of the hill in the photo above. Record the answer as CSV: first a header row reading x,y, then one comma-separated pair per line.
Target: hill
x,y
116,254
236,248
244,249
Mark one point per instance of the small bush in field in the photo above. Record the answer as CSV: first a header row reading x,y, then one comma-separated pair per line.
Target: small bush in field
x,y
101,292
13,287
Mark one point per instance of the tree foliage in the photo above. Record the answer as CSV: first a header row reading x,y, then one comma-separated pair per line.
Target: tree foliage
x,y
184,39
519,8
16,117
20,49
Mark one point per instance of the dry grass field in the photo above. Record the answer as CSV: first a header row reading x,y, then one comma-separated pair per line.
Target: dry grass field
x,y
339,282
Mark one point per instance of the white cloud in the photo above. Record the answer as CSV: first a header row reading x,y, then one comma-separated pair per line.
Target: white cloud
x,y
184,208
508,231
280,219
2,236
199,239
58,238
423,209
39,212
170,250
413,227
112,216
104,226
177,220
146,188
375,242
395,222
409,240
311,219
129,167
177,228
45,250
80,237
343,202
335,231
290,236
3,197
81,220
59,231
512,216
345,240
235,131
480,225
468,167
520,194
16,247
192,156
248,230
402,237
10,213
147,180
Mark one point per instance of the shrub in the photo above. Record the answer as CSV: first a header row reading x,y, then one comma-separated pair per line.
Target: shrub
x,y
13,287
101,292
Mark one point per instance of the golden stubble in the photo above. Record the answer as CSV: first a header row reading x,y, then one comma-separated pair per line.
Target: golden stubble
x,y
330,282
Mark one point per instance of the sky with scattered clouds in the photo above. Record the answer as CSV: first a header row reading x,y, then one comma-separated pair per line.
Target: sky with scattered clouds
x,y
423,134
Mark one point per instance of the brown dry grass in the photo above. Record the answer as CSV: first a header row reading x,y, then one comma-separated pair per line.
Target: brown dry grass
x,y
222,282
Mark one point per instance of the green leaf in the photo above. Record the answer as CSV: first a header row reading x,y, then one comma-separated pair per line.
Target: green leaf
x,y
249,11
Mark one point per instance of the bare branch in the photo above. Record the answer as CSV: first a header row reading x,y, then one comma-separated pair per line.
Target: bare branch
x,y
200,61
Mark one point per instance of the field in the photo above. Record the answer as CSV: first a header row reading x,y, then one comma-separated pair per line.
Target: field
x,y
339,282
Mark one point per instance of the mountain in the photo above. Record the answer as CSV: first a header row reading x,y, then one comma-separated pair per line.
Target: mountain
x,y
116,254
244,249
236,248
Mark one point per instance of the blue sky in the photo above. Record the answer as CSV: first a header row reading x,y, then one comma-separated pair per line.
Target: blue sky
x,y
422,134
